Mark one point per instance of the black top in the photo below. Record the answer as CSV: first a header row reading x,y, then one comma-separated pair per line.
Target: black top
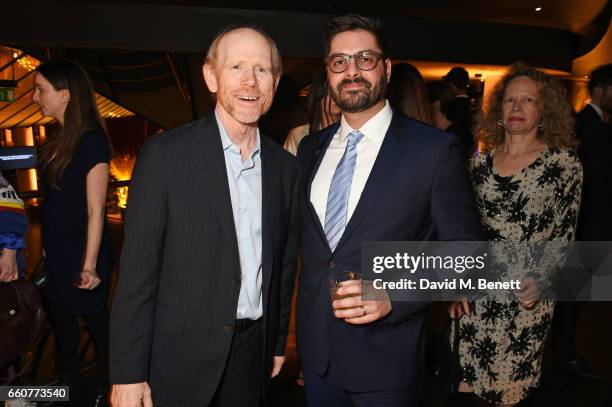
x,y
461,113
64,230
594,221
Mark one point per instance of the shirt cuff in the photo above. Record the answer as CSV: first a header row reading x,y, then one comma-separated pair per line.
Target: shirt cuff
x,y
11,241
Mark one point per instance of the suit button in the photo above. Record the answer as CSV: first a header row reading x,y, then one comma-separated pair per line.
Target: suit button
x,y
332,264
228,328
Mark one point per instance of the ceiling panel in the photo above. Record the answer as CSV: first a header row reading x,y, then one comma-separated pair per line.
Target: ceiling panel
x,y
23,112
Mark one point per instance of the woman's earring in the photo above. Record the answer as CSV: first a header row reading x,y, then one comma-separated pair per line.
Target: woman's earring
x,y
540,126
500,124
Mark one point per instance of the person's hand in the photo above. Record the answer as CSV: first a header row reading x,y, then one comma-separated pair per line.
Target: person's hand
x,y
458,308
131,395
355,311
8,265
278,364
529,294
89,280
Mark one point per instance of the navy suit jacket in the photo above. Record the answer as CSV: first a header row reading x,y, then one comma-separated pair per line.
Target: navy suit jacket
x,y
418,189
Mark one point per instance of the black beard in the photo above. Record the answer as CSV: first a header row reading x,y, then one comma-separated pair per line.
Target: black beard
x,y
354,101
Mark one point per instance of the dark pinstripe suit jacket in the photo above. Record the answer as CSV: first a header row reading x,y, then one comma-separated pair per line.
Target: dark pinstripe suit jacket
x,y
180,272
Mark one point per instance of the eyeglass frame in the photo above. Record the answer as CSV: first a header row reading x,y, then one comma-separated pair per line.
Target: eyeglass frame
x,y
378,55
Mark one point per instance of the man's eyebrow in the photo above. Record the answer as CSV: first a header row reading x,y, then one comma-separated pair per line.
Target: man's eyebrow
x,y
357,52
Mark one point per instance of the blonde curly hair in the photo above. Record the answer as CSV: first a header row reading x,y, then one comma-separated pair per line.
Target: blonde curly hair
x,y
556,114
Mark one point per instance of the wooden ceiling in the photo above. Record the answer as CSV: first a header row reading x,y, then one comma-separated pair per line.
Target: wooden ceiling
x,y
146,54
24,112
571,15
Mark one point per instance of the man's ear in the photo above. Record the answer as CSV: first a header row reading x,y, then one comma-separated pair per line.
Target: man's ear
x,y
276,79
210,77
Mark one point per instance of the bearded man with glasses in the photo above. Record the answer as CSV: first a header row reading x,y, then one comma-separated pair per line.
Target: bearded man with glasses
x,y
375,176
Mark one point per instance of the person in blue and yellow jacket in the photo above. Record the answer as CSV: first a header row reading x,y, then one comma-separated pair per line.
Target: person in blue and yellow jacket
x,y
13,225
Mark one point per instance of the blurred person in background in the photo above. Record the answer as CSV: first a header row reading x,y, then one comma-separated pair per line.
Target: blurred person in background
x,y
322,112
13,225
285,112
407,93
461,112
440,94
75,235
595,219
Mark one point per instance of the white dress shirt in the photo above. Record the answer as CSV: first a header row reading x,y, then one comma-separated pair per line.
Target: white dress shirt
x,y
373,131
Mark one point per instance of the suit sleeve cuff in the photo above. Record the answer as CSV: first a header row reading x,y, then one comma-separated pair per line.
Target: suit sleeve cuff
x,y
281,344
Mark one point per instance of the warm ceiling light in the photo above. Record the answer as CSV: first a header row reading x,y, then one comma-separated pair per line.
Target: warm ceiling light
x,y
538,9
586,76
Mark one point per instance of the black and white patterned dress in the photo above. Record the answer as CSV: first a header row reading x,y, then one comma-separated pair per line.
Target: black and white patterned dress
x,y
501,342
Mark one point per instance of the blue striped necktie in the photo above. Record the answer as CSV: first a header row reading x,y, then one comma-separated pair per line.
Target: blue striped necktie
x,y
339,191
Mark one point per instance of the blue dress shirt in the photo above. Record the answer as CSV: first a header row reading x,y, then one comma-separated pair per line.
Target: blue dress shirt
x,y
244,179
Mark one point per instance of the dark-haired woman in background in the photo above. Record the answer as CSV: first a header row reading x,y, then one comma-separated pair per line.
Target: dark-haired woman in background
x,y
75,171
407,93
322,112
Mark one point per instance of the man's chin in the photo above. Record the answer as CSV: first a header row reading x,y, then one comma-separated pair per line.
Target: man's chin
x,y
355,109
355,106
247,118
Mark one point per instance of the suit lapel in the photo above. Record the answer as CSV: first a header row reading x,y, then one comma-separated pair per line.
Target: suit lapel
x,y
270,196
318,153
389,156
213,175
317,156
594,116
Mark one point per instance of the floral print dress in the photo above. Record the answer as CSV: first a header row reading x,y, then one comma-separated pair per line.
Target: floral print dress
x,y
501,343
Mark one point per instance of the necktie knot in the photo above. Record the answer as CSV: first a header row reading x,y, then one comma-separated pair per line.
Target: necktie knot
x,y
354,137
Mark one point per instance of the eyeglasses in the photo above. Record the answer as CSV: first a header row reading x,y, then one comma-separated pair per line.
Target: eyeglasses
x,y
365,60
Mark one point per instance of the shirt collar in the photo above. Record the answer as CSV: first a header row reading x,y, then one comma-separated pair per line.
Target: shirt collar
x,y
598,110
374,129
227,142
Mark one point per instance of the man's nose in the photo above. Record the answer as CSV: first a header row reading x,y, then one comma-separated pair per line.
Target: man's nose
x,y
249,78
352,69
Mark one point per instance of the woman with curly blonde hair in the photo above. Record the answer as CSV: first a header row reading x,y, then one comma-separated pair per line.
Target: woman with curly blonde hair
x,y
556,125
527,181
